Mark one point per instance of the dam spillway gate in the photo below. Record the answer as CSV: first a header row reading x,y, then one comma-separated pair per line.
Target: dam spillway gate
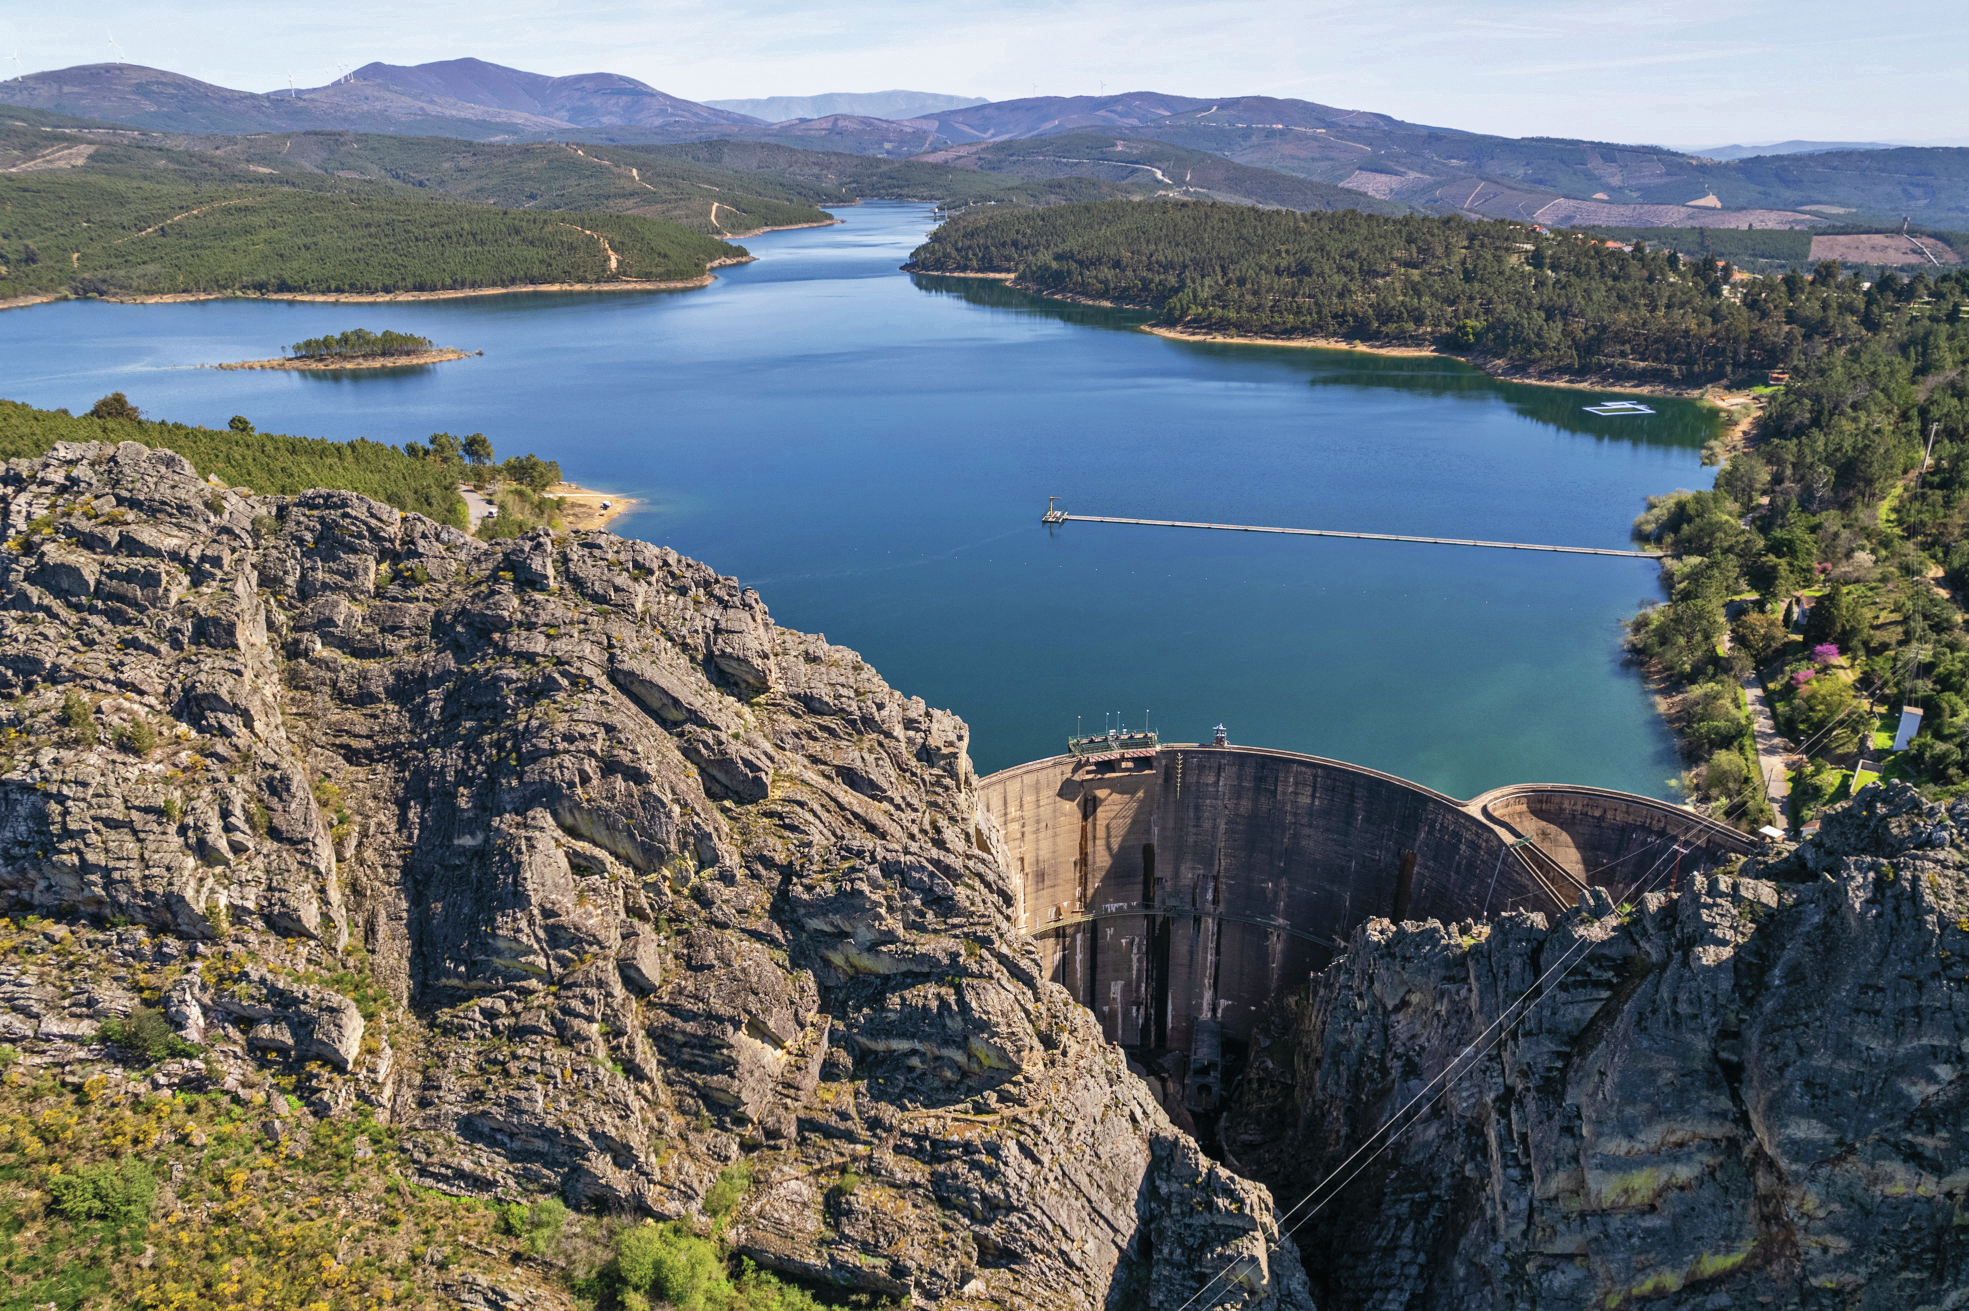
x,y
1175,889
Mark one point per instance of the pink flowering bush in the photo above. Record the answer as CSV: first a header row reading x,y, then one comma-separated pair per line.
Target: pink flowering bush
x,y
1803,677
1826,653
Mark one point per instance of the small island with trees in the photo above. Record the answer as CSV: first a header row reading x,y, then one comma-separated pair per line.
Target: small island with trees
x,y
358,349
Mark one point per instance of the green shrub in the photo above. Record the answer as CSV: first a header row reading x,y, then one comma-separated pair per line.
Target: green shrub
x,y
115,406
120,1193
147,1035
668,1263
75,709
540,1224
136,736
734,1182
520,510
549,1218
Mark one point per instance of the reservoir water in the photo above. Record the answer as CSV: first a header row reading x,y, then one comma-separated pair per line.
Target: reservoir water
x,y
873,451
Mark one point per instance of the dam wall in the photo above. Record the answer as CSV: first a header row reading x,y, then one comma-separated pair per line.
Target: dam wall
x,y
1175,890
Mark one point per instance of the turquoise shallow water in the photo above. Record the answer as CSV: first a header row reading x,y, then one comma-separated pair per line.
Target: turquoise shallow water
x,y
873,450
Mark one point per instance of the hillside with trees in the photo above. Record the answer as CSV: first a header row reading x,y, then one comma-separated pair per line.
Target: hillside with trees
x,y
239,456
544,176
1158,168
110,237
1502,291
1840,509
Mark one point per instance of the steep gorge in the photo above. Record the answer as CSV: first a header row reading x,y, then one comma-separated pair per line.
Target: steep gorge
x,y
1746,1093
647,887
553,868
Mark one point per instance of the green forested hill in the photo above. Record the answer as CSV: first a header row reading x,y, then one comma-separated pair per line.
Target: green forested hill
x,y
873,178
552,176
1557,302
108,236
1159,167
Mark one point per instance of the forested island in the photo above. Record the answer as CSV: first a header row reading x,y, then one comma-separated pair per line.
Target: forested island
x,y
360,343
357,349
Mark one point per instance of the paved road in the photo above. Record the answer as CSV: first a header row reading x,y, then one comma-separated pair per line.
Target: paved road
x,y
1770,747
475,505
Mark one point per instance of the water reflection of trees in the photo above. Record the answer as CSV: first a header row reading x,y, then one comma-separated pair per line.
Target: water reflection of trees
x,y
993,294
1674,423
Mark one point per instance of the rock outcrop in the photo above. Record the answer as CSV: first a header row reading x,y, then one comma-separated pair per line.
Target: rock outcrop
x,y
557,855
1746,1094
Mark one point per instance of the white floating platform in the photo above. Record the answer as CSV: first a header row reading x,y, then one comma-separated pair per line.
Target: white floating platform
x,y
1618,407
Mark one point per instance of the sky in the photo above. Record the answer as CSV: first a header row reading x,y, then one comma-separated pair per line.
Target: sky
x,y
1671,72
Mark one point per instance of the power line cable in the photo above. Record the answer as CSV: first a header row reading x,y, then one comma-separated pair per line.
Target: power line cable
x,y
1428,1092
1506,1018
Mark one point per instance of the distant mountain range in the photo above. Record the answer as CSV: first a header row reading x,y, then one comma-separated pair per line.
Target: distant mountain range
x,y
458,97
859,104
1792,148
1400,165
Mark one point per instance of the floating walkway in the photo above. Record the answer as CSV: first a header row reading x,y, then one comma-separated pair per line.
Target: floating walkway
x,y
1055,516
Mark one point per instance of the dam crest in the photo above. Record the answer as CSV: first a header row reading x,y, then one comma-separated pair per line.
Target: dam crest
x,y
1174,889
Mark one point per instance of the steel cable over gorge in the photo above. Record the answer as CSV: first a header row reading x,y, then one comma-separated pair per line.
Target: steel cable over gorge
x,y
1175,889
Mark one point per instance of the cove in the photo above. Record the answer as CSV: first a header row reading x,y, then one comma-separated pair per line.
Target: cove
x,y
872,450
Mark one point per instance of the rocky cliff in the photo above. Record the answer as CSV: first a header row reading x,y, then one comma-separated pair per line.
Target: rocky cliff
x,y
560,869
1748,1093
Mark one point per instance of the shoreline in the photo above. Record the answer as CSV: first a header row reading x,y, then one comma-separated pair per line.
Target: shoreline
x,y
582,506
781,227
40,298
394,297
989,277
362,362
1500,370
1497,369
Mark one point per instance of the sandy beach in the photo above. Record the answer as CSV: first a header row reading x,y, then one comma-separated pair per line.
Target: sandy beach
x,y
582,506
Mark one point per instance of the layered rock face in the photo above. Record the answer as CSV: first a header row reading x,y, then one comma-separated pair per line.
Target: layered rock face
x,y
655,886
1746,1094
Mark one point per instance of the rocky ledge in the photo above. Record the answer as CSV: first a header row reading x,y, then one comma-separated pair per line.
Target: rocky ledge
x,y
558,857
1747,1093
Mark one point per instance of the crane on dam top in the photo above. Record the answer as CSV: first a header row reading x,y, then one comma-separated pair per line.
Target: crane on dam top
x,y
1116,743
1055,515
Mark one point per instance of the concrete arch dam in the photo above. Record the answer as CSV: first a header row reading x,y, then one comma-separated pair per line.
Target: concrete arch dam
x,y
1175,890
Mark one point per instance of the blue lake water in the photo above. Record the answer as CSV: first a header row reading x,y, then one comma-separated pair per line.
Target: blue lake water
x,y
873,451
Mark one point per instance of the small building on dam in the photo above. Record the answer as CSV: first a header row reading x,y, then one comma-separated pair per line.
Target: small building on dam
x,y
1174,889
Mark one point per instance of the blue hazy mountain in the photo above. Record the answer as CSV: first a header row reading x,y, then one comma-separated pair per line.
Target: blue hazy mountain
x,y
861,104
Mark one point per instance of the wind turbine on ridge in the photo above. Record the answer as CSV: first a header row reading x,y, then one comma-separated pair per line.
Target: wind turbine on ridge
x,y
115,47
16,57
